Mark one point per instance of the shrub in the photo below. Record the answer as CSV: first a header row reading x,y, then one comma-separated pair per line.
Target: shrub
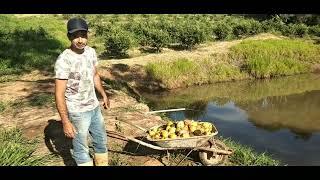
x,y
118,42
157,38
299,30
191,35
314,30
222,31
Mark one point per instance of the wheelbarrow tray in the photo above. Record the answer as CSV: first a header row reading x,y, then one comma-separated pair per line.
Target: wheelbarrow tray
x,y
194,141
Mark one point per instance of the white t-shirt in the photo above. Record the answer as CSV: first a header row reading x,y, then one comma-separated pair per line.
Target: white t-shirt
x,y
78,69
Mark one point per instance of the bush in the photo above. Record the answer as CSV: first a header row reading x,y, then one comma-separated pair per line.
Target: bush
x,y
222,31
117,43
157,38
241,29
314,30
191,35
299,30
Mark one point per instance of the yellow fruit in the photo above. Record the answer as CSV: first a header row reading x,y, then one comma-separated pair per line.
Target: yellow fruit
x,y
180,124
157,136
185,135
185,128
168,127
152,133
207,125
172,136
164,134
194,124
170,123
192,128
172,130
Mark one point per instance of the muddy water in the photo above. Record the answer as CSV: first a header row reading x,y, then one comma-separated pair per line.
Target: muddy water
x,y
278,116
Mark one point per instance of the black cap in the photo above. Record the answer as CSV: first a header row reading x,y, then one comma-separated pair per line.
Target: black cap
x,y
77,24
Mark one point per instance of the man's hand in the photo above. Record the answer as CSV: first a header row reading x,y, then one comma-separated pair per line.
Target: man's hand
x,y
106,102
69,130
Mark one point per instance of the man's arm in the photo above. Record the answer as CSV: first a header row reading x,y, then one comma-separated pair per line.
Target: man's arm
x,y
100,89
60,89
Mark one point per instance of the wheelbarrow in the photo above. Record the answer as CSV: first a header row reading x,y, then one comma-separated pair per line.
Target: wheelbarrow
x,y
211,151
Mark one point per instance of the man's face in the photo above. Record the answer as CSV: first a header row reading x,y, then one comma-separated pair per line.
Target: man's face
x,y
79,39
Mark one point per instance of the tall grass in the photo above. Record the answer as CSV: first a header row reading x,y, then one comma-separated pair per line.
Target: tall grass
x,y
184,72
268,58
15,150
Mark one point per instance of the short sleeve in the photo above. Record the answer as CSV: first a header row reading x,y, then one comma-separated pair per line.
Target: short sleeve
x,y
62,68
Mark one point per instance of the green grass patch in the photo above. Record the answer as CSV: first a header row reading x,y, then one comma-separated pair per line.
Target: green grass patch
x,y
42,100
184,72
3,106
246,156
15,150
269,58
30,43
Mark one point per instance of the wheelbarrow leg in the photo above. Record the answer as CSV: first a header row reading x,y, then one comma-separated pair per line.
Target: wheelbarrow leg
x,y
185,156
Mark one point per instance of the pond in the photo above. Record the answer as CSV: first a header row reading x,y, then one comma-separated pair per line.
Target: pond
x,y
280,116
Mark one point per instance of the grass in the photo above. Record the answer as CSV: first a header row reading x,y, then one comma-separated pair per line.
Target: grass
x,y
269,58
42,100
37,100
246,156
3,106
247,60
30,43
15,150
184,72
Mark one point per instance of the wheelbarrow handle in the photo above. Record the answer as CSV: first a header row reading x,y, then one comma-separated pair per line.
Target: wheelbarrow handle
x,y
142,129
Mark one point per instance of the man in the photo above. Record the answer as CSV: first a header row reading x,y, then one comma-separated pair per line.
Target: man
x,y
76,78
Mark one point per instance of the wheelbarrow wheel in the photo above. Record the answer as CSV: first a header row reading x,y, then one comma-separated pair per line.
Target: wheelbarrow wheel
x,y
211,158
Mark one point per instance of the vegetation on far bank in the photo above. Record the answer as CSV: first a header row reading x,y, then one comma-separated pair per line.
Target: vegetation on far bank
x,y
248,59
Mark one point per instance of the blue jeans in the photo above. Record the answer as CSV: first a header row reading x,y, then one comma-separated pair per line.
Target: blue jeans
x,y
88,122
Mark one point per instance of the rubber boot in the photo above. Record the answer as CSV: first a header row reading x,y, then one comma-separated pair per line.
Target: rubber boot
x,y
101,159
90,163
